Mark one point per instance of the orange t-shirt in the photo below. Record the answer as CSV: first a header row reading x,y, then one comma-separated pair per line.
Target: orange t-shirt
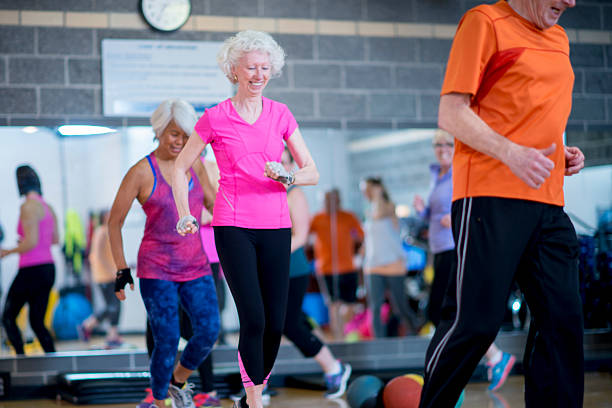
x,y
520,80
349,232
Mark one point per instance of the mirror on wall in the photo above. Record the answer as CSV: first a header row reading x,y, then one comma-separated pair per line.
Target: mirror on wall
x,y
81,174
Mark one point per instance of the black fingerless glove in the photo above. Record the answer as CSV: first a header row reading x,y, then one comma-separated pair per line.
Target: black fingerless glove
x,y
124,276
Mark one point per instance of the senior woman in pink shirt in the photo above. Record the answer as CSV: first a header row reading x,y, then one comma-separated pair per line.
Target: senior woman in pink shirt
x,y
251,216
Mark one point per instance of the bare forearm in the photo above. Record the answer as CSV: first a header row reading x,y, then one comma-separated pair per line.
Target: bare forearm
x,y
183,163
116,242
307,175
179,192
22,247
456,117
209,205
529,164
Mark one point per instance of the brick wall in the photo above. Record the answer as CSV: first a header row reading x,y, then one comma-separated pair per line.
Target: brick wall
x,y
352,64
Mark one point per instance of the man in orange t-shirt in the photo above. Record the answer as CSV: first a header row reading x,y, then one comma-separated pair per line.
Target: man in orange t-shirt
x,y
338,234
506,98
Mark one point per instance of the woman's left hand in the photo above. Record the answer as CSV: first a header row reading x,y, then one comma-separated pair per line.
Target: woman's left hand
x,y
445,221
4,252
276,171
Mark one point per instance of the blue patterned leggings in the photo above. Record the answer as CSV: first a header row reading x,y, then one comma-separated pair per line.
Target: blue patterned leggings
x,y
161,299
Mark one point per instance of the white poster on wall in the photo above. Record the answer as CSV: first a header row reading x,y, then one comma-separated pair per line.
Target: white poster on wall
x,y
138,74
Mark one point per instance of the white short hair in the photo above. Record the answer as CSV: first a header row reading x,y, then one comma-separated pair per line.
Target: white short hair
x,y
181,111
442,136
246,41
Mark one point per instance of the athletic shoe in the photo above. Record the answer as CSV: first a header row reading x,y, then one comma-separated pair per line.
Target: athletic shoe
x,y
498,373
181,397
204,400
113,344
265,396
336,383
167,402
83,332
148,399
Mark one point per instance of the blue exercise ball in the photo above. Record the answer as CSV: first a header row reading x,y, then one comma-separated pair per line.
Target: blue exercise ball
x,y
72,309
365,392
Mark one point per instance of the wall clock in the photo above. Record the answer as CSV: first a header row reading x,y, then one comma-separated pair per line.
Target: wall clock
x,y
166,15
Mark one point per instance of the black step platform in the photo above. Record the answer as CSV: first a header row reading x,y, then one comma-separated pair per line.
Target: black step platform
x,y
121,387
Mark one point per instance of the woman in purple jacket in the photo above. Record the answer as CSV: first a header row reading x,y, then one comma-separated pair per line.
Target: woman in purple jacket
x,y
442,246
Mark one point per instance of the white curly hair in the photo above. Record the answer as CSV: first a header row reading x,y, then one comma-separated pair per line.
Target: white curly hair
x,y
246,41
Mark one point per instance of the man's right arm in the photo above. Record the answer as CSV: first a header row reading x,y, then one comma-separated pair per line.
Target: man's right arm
x,y
529,164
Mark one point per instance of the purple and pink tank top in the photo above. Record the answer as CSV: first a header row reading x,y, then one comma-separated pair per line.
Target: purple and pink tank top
x,y
41,253
163,253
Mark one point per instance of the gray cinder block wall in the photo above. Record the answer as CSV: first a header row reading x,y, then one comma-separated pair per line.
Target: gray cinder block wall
x,y
352,64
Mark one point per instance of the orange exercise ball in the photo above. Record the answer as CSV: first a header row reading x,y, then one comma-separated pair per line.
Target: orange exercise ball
x,y
403,392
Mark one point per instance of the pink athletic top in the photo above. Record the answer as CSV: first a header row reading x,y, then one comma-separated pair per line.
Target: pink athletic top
x,y
163,253
41,253
246,197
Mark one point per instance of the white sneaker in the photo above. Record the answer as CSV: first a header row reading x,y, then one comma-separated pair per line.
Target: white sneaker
x,y
181,397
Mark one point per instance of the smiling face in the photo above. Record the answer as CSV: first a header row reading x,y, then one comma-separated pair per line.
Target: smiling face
x,y
253,72
172,140
543,13
443,150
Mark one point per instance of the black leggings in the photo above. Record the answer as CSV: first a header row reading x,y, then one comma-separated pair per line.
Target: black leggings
x,y
297,328
32,285
112,305
256,266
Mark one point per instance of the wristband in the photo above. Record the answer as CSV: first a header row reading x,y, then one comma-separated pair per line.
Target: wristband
x,y
124,276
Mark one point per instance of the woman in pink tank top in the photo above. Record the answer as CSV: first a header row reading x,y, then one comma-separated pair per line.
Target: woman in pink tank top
x,y
251,217
172,271
37,231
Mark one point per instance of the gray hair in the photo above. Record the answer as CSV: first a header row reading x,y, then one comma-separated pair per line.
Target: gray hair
x,y
442,136
246,41
181,111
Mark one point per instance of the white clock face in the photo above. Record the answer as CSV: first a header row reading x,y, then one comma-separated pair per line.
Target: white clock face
x,y
166,15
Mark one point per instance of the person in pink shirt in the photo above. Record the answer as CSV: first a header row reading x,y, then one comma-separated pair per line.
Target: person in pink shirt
x,y
37,231
251,216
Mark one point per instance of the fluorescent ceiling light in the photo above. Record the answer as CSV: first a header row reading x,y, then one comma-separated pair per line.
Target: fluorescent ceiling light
x,y
29,129
83,130
390,139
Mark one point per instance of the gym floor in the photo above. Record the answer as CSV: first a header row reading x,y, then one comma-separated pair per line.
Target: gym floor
x,y
598,394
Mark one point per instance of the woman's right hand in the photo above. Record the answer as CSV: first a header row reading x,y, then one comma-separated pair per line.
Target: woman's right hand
x,y
123,277
418,203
